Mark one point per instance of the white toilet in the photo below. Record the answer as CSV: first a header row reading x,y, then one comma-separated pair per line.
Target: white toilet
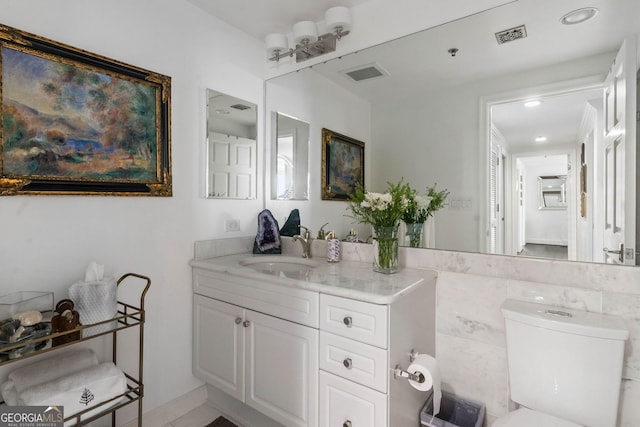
x,y
565,366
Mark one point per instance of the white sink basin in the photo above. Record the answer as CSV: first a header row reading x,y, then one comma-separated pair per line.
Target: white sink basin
x,y
283,266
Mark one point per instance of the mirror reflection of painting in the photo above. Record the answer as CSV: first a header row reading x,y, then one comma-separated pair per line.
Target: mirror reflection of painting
x,y
343,165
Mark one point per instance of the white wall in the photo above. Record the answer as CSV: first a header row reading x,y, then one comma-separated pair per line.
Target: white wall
x,y
47,241
323,104
547,227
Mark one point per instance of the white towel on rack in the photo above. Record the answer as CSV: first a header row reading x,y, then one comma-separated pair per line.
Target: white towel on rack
x,y
60,365
78,391
9,393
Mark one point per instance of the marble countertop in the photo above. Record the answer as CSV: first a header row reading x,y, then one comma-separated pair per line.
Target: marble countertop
x,y
349,279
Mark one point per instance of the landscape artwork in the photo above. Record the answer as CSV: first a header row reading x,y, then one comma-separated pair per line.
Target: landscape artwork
x,y
78,123
342,165
69,122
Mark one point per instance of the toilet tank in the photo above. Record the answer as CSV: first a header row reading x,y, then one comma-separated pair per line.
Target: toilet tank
x,y
567,363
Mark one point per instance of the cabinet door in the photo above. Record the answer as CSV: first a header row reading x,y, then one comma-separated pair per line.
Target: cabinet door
x,y
345,403
218,340
282,370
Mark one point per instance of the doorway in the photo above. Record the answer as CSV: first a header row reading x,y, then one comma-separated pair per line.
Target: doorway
x,y
545,138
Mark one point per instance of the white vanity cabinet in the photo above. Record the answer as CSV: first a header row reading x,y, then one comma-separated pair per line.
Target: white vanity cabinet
x,y
360,345
268,363
319,352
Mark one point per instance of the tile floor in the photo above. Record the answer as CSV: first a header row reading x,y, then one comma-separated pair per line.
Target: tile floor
x,y
199,417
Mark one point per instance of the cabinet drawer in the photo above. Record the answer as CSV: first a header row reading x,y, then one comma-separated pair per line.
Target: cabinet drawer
x,y
353,360
358,320
285,302
344,402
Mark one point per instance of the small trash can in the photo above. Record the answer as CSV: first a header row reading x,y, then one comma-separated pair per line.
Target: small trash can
x,y
454,412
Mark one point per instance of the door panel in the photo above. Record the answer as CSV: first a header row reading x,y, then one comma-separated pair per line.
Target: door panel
x,y
282,370
218,345
619,154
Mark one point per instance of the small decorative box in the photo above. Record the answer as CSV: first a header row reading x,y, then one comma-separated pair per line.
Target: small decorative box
x,y
22,301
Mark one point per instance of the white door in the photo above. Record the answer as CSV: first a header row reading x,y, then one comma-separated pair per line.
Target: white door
x,y
218,354
282,370
619,154
496,199
232,167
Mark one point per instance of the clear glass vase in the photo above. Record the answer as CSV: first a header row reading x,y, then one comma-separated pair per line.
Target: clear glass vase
x,y
385,249
414,232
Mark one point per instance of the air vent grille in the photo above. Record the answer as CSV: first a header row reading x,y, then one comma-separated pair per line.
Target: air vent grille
x,y
240,107
364,72
511,34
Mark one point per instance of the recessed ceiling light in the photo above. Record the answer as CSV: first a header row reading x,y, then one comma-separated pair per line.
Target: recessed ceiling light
x,y
222,111
578,16
541,138
532,103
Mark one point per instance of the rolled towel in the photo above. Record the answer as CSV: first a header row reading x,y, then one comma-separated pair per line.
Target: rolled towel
x,y
78,391
9,393
54,367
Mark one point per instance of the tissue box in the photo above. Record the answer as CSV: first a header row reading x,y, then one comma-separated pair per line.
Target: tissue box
x,y
25,301
95,302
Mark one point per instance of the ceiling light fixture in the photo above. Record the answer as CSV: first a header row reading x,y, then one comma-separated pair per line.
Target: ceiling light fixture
x,y
532,103
541,139
305,37
579,16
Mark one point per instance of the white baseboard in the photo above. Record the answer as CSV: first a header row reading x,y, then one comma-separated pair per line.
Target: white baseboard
x,y
173,409
548,242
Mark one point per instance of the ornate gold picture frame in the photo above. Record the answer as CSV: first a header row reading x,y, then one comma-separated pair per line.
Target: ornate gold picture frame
x,y
77,123
342,165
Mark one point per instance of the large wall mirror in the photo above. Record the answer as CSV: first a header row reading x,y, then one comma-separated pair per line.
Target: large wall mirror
x,y
451,105
289,158
231,147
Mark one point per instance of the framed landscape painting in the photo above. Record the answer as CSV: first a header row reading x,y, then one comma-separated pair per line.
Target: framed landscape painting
x,y
342,165
78,123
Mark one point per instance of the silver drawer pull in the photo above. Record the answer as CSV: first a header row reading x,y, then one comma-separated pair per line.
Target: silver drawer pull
x,y
238,320
346,424
348,321
558,313
347,363
246,323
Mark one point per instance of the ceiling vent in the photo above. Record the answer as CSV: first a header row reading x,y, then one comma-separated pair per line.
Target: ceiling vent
x,y
365,72
511,34
240,107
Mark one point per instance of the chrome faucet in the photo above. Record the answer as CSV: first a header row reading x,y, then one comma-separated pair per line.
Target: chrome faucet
x,y
305,241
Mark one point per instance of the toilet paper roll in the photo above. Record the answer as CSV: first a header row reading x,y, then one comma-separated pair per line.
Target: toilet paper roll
x,y
428,367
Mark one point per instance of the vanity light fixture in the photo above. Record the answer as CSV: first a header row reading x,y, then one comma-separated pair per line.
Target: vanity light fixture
x,y
541,138
305,37
579,16
532,103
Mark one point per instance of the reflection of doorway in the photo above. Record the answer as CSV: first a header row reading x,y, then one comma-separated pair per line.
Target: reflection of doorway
x,y
565,117
543,228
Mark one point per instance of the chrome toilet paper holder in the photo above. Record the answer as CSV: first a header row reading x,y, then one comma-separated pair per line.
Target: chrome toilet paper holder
x,y
398,372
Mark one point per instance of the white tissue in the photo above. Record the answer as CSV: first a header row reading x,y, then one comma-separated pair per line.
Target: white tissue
x,y
428,367
94,272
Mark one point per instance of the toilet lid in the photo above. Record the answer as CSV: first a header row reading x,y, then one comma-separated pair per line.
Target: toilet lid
x,y
524,417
